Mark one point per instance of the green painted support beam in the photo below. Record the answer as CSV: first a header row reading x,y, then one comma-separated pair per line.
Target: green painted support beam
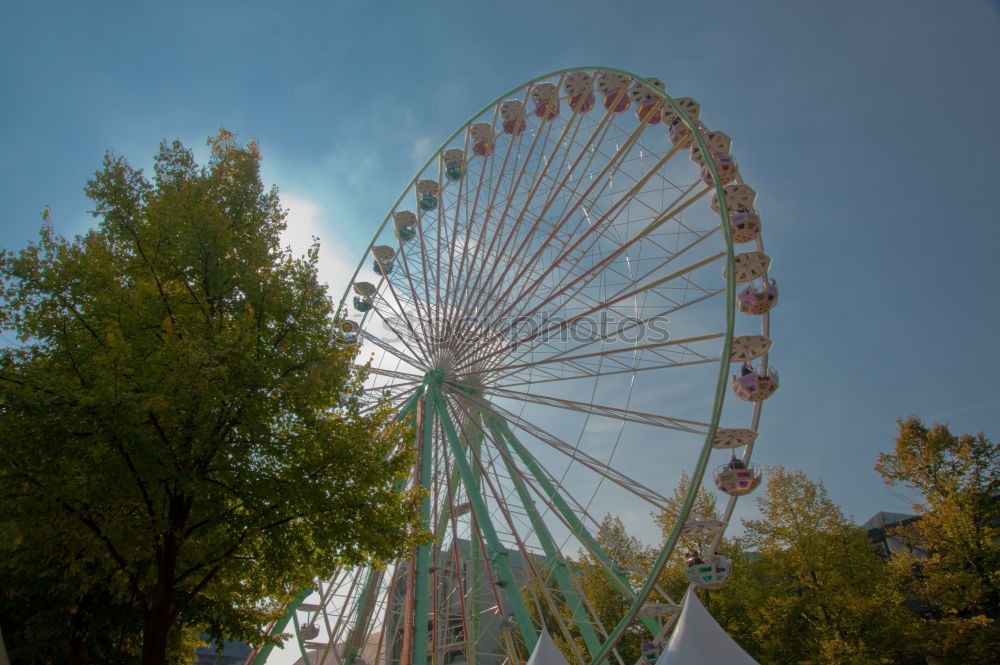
x,y
614,573
279,627
422,587
553,556
442,521
498,554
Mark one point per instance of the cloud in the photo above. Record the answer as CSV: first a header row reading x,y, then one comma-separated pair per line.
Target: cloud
x,y
421,150
307,220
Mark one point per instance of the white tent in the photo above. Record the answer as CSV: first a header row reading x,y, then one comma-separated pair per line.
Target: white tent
x,y
699,640
546,652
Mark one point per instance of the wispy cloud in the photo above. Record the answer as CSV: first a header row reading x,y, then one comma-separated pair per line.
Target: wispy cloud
x,y
308,220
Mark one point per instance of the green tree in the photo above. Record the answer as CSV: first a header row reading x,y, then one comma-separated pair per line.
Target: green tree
x,y
179,417
957,482
633,558
605,601
815,592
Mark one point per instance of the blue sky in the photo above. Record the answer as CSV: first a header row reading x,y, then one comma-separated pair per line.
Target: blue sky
x,y
868,129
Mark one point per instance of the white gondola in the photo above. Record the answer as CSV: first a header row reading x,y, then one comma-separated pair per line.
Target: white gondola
x,y
545,97
757,302
427,194
752,386
454,163
405,222
748,347
580,88
614,87
384,257
737,478
364,295
733,437
744,222
734,197
710,574
482,139
749,266
719,146
677,131
647,102
349,331
513,116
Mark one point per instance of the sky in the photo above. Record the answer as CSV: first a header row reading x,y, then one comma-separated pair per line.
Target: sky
x,y
869,130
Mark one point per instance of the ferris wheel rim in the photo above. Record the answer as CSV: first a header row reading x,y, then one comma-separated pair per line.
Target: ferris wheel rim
x,y
702,461
720,390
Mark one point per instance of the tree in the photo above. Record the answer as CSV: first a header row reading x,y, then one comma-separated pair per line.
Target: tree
x,y
957,482
604,595
180,416
815,591
604,598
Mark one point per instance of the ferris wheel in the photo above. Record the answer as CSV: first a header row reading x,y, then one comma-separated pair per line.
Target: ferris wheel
x,y
554,302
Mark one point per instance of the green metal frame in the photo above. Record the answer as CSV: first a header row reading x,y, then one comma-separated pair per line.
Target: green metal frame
x,y
614,573
554,559
498,555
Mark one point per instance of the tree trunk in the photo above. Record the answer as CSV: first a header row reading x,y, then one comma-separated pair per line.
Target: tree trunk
x,y
160,614
77,651
157,620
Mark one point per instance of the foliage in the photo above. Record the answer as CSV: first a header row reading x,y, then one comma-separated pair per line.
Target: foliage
x,y
953,562
184,441
814,591
603,597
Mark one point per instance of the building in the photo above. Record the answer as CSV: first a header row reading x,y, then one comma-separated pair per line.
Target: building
x,y
880,528
232,653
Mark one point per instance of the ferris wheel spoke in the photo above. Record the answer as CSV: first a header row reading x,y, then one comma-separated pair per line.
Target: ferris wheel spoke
x,y
683,276
587,275
547,488
554,193
654,348
399,388
408,324
653,419
574,453
662,315
392,374
483,288
427,318
542,165
574,201
423,319
488,216
498,554
604,373
485,163
563,324
555,563
389,348
591,225
600,223
397,322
